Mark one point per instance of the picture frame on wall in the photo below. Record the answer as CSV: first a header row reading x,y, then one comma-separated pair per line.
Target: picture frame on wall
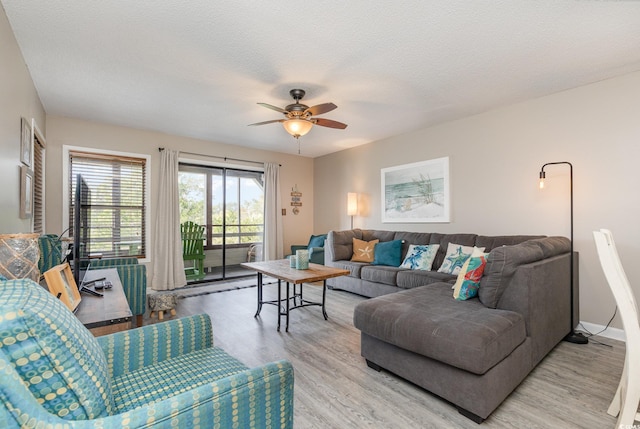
x,y
26,192
416,192
62,285
26,145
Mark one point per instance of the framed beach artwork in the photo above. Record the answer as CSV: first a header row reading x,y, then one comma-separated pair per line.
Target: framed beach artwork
x,y
417,192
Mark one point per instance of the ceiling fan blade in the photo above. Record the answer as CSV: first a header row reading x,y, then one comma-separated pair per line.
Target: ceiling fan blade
x,y
267,122
329,123
321,108
276,108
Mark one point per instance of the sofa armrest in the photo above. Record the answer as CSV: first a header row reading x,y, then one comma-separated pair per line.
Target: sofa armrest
x,y
130,350
539,291
316,255
258,397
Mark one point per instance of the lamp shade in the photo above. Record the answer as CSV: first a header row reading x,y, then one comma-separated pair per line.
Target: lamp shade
x,y
297,127
352,204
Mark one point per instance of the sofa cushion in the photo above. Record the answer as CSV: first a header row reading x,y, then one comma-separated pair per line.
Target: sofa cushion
x,y
414,278
420,256
491,242
502,263
170,377
409,238
353,267
428,321
388,253
363,251
380,274
343,243
65,371
372,234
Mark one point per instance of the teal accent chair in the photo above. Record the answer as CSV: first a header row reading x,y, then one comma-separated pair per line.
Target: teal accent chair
x,y
55,374
133,277
315,247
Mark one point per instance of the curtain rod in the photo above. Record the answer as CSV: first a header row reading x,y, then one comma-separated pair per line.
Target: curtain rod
x,y
160,149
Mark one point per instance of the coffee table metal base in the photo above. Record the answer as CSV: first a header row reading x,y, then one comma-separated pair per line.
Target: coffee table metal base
x,y
284,308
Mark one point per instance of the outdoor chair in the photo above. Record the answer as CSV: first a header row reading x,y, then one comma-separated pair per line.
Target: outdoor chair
x,y
193,250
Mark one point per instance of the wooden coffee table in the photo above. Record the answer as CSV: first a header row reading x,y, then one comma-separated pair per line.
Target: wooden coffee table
x,y
280,270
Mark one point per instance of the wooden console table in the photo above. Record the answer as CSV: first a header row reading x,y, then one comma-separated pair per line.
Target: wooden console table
x,y
109,313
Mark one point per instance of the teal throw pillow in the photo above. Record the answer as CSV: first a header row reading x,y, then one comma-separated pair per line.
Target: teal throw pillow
x,y
420,256
317,241
388,253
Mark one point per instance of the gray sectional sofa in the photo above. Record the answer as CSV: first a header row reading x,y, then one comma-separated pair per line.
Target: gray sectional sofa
x,y
472,353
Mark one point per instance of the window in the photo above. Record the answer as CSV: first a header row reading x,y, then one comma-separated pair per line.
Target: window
x,y
38,179
229,202
118,201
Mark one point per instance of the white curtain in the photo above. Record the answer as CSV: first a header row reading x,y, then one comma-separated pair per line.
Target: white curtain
x,y
273,246
168,266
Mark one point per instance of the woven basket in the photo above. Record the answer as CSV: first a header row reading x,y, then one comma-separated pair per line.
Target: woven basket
x,y
19,255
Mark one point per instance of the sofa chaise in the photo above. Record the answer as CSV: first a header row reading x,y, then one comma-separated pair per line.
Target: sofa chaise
x,y
474,352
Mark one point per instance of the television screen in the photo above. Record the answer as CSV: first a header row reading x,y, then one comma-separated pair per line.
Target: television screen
x,y
81,227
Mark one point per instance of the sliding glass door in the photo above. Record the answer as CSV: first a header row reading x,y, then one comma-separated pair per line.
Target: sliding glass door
x,y
229,203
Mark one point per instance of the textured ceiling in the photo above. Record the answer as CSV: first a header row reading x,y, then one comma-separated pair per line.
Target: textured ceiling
x,y
198,68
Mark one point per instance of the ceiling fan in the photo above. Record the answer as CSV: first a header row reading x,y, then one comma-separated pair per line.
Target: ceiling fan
x,y
299,118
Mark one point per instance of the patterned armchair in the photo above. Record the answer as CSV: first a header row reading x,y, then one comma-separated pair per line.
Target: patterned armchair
x,y
133,277
55,374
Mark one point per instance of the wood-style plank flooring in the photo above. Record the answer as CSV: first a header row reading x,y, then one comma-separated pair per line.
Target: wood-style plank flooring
x,y
334,388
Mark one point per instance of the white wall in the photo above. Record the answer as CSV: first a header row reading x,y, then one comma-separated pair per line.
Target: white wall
x,y
75,132
495,158
18,98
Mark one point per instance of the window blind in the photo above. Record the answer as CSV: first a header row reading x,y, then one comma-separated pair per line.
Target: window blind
x,y
117,202
38,185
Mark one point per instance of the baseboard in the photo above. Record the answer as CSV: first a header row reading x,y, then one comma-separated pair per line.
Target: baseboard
x,y
613,333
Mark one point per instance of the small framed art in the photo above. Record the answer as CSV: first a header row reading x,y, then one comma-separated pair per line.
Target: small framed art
x,y
26,192
62,285
26,146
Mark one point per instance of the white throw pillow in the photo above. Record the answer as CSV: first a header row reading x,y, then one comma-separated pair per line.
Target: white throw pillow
x,y
456,256
420,256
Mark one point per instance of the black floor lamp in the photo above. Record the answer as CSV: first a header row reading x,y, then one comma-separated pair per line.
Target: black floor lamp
x,y
573,336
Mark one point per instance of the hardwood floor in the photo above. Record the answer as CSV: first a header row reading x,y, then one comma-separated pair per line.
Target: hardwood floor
x,y
334,388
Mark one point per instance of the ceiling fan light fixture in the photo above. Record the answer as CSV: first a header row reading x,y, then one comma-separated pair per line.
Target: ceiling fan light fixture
x,y
297,127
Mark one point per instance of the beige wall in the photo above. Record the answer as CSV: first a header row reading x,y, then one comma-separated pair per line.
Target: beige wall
x,y
63,131
18,98
495,158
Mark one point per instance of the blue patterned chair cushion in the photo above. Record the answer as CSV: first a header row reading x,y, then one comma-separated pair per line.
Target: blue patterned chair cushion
x,y
57,358
171,377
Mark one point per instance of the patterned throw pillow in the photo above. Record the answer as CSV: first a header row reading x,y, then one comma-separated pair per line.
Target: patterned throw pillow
x,y
420,257
468,281
455,258
363,251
